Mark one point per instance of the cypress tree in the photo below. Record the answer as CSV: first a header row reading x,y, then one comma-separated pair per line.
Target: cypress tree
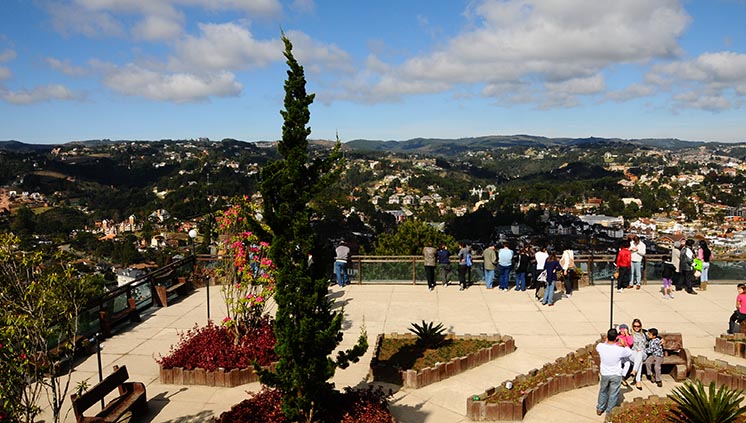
x,y
306,327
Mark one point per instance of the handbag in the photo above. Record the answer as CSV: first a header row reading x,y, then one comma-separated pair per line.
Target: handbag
x,y
542,276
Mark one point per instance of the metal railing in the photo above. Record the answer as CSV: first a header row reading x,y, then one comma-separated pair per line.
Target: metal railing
x,y
596,267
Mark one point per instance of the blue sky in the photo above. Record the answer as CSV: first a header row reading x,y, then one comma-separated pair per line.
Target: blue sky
x,y
388,69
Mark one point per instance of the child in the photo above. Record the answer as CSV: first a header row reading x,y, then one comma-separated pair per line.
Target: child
x,y
655,355
740,313
668,271
625,339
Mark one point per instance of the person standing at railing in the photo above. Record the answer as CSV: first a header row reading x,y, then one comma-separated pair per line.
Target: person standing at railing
x,y
341,255
623,265
686,263
505,262
444,264
429,257
490,261
637,248
704,254
541,259
676,261
463,256
568,265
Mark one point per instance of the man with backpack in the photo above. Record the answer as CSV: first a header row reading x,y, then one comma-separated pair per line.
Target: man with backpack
x,y
686,266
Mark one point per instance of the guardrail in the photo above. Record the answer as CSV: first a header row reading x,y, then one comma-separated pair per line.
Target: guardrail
x,y
596,267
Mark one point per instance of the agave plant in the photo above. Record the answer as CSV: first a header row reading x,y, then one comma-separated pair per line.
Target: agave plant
x,y
429,334
695,405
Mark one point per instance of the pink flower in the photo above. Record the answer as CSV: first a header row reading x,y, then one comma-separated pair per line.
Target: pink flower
x,y
226,320
264,244
23,356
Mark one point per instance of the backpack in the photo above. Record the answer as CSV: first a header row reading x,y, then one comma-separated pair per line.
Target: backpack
x,y
468,259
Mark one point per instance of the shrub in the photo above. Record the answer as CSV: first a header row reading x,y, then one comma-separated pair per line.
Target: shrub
x,y
695,405
211,347
354,405
429,334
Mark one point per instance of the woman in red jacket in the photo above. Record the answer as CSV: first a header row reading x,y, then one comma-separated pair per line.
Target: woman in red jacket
x,y
623,265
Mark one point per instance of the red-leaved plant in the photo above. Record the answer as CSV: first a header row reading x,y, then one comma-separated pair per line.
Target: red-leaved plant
x,y
211,347
354,405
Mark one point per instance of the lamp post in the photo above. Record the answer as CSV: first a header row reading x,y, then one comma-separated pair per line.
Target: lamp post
x,y
192,236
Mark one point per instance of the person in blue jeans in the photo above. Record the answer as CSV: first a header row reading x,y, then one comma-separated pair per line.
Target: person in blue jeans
x,y
490,261
610,368
521,268
341,255
505,262
551,266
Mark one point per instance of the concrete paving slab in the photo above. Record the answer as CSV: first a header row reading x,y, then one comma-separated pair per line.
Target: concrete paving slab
x,y
542,334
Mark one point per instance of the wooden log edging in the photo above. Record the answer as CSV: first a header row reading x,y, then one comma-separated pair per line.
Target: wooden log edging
x,y
734,345
719,371
635,403
227,378
408,378
479,408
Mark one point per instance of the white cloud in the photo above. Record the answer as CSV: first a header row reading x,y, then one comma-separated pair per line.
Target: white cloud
x,y
224,47
154,28
68,19
5,73
544,43
7,55
318,57
633,91
177,87
38,94
65,67
711,81
303,6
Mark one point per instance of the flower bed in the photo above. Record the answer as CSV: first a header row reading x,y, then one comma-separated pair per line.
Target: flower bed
x,y
456,358
731,344
210,356
513,399
718,371
653,409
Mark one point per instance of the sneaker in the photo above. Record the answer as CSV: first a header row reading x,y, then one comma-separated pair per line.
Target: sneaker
x,y
638,286
670,296
619,291
659,383
568,296
599,412
460,288
430,288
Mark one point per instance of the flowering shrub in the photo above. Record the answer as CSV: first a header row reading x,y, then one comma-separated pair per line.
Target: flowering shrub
x,y
211,347
354,405
249,276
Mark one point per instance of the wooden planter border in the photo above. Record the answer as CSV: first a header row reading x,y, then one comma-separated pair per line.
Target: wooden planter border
x,y
478,409
222,377
734,345
503,344
719,371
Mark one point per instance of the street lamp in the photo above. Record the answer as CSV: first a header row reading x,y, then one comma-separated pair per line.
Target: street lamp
x,y
192,236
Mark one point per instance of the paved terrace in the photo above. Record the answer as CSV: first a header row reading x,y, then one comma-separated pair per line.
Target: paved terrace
x,y
541,334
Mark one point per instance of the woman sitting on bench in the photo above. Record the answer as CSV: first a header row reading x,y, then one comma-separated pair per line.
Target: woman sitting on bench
x,y
739,314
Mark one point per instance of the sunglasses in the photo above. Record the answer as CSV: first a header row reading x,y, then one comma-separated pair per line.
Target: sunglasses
x,y
636,326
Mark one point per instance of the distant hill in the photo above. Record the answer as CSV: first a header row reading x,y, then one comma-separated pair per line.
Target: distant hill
x,y
20,147
441,146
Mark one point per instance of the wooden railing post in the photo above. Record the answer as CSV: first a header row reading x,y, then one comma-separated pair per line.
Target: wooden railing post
x,y
414,270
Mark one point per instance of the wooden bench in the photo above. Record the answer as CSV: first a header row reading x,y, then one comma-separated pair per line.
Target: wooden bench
x,y
676,358
131,399
108,320
181,287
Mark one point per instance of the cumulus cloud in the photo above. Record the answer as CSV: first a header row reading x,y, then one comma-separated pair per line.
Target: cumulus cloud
x,y
7,55
711,81
633,91
550,44
38,94
5,73
223,47
65,67
149,20
177,87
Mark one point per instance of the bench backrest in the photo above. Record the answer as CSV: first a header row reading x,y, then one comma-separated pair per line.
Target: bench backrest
x,y
87,399
672,341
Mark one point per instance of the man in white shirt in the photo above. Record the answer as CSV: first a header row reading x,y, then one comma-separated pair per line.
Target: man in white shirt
x,y
611,372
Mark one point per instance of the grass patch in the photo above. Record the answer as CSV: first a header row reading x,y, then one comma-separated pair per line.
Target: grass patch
x,y
408,354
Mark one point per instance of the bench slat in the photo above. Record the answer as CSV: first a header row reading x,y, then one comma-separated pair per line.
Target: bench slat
x,y
86,400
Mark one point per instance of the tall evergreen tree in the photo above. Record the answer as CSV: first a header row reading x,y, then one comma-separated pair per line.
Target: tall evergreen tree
x,y
306,327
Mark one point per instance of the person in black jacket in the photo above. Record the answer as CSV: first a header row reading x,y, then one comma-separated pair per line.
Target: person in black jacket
x,y
521,268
